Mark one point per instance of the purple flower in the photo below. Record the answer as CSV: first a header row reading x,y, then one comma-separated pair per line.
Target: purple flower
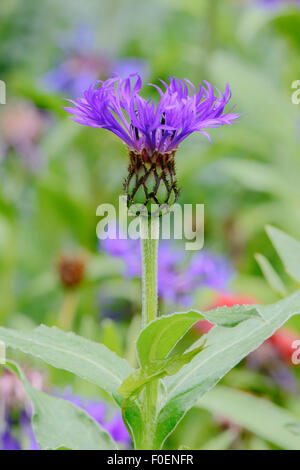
x,y
8,442
16,431
178,275
116,105
117,429
75,74
128,250
100,412
83,64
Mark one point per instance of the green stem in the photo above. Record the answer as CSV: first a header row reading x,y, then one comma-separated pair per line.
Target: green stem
x,y
68,310
149,247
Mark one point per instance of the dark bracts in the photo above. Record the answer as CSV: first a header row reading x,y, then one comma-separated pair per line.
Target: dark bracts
x,y
151,179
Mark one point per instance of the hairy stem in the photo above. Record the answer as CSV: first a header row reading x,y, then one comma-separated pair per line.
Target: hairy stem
x,y
149,247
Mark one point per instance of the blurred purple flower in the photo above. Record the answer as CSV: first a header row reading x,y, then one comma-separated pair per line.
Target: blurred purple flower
x,y
127,66
21,127
100,412
8,442
116,105
279,3
15,417
75,73
178,275
83,65
117,429
128,250
16,431
266,360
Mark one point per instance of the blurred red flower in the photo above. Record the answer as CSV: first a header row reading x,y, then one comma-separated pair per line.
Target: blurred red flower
x,y
282,340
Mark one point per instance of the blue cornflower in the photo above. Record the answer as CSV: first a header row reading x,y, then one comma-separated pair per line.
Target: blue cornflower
x,y
152,132
116,105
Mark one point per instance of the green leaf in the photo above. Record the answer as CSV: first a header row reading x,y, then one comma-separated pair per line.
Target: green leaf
x,y
160,337
288,249
257,415
270,274
225,347
154,370
288,24
294,427
89,360
231,316
60,424
86,359
221,442
110,336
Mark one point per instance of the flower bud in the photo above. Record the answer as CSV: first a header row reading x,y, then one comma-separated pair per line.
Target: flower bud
x,y
151,179
71,270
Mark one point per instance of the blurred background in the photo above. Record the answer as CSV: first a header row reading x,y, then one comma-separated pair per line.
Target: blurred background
x,y
54,173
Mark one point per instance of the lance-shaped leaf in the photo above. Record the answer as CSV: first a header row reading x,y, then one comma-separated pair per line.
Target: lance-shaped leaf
x,y
231,316
225,347
221,442
160,337
132,386
288,249
60,424
87,359
258,415
270,274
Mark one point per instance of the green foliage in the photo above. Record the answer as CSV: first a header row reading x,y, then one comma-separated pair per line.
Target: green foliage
x,y
86,359
270,274
189,376
248,178
90,361
225,347
59,424
288,249
154,370
158,339
221,442
110,337
255,414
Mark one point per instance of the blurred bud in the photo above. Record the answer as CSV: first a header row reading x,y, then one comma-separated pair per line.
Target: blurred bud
x,y
71,270
151,179
12,394
21,122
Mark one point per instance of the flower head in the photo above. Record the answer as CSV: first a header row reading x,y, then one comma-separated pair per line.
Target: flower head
x,y
116,105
